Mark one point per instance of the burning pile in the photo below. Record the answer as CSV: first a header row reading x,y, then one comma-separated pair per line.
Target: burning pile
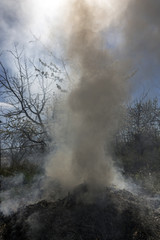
x,y
114,215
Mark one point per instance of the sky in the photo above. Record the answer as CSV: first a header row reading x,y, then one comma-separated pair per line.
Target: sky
x,y
27,24
132,33
23,19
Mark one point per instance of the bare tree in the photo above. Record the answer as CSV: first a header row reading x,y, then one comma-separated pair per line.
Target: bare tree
x,y
31,92
138,141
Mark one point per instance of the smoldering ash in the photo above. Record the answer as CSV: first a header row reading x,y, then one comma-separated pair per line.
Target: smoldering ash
x,y
94,104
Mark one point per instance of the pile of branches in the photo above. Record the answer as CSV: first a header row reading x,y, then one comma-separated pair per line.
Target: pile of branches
x,y
113,215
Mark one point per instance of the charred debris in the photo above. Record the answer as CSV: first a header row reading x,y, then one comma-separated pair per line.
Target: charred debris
x,y
112,215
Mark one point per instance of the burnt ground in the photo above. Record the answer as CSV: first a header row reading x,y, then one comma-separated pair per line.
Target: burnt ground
x,y
114,215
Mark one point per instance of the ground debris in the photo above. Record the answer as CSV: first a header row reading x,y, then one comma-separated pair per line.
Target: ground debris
x,y
114,215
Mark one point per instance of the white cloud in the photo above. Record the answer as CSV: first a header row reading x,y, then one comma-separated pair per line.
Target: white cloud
x,y
5,105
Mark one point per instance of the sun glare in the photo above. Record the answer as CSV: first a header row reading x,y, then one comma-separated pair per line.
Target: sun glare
x,y
48,7
44,14
49,14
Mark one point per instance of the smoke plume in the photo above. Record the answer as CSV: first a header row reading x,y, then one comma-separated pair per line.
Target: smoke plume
x,y
141,37
141,29
94,105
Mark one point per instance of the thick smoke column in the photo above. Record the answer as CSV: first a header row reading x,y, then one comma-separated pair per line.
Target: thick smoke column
x,y
94,104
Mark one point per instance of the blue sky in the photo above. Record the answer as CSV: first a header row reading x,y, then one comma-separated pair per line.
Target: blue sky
x,y
134,36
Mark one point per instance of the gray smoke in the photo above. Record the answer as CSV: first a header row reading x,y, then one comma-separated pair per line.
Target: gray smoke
x,y
140,30
94,105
